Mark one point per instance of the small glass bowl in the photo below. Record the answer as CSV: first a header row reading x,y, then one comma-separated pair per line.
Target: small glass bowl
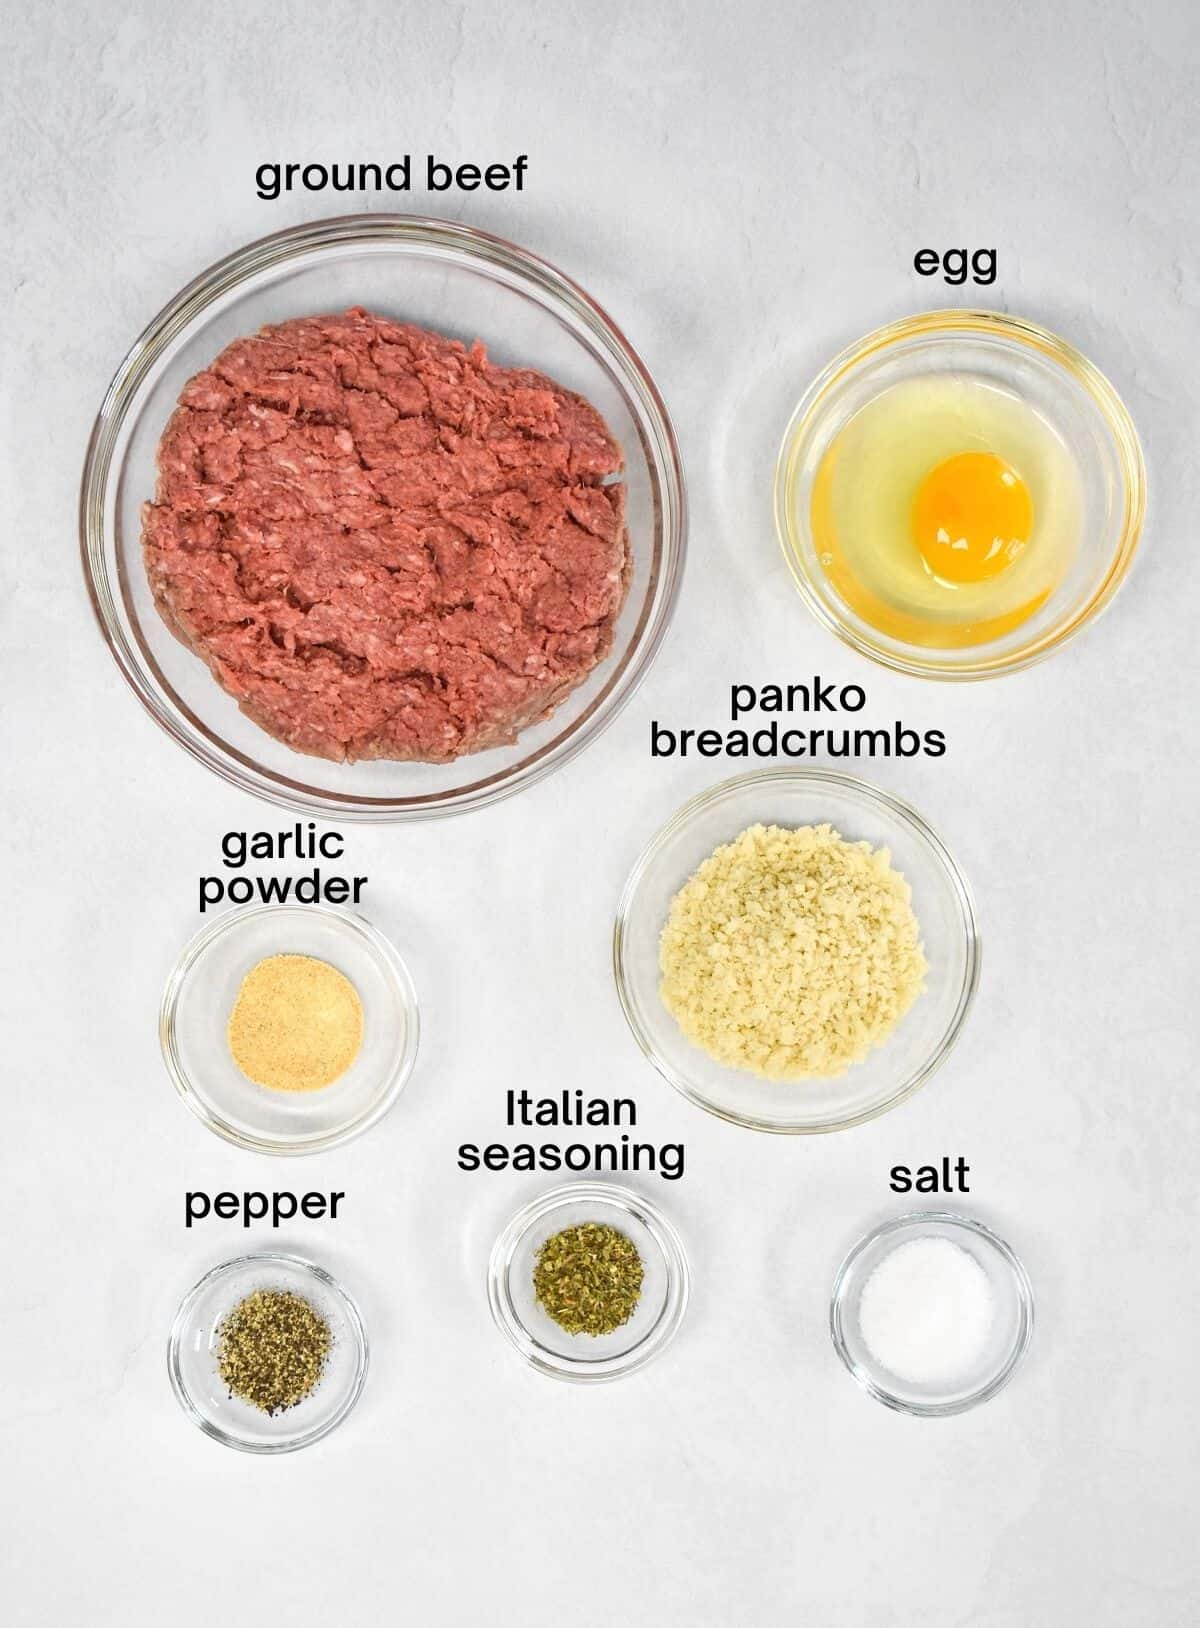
x,y
534,1332
1012,1326
941,901
440,275
199,998
192,1359
1057,382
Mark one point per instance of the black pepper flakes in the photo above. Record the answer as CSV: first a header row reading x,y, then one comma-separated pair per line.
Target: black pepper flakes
x,y
272,1349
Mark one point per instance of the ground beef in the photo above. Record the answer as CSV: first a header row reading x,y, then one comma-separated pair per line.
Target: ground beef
x,y
382,545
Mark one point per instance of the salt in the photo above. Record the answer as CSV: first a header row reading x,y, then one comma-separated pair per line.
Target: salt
x,y
926,1312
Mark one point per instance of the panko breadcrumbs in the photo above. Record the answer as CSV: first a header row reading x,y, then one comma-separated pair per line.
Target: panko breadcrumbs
x,y
791,952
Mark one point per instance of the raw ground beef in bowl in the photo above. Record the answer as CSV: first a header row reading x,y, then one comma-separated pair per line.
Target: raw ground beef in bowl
x,y
381,544
352,562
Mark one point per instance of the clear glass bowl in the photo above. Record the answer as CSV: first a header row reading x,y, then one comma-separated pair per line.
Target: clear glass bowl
x,y
1012,1326
199,998
1062,386
440,275
534,1332
941,901
192,1355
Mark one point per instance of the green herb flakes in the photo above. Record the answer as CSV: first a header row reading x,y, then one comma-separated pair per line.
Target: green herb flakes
x,y
588,1278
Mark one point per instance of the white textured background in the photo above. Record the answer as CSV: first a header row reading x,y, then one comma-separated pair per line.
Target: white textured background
x,y
744,187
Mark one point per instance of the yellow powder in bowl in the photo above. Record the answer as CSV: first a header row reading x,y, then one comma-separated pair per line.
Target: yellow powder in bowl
x,y
791,953
297,1023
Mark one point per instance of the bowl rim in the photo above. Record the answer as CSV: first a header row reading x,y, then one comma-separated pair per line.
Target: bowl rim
x,y
879,798
252,1260
348,921
912,1220
931,325
553,1363
487,250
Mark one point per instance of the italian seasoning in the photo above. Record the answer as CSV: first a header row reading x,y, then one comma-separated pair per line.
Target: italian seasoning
x,y
588,1278
272,1349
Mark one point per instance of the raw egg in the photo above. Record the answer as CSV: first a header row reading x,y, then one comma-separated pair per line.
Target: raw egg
x,y
972,518
946,510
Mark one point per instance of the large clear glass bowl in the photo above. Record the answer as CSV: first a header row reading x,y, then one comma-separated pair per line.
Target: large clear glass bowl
x,y
440,275
941,901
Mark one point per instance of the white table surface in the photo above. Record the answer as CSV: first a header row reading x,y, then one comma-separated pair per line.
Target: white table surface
x,y
744,187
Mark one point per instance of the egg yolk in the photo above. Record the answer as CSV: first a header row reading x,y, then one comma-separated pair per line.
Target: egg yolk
x,y
972,517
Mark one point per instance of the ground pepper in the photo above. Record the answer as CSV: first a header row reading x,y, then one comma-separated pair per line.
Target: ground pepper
x,y
588,1278
272,1349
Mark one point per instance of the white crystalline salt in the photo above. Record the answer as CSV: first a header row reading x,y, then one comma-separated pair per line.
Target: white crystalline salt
x,y
926,1312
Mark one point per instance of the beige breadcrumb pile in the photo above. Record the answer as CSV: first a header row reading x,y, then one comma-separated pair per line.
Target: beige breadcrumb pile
x,y
791,953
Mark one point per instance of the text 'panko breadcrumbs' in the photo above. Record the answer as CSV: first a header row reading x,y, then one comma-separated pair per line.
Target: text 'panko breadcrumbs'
x,y
792,953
